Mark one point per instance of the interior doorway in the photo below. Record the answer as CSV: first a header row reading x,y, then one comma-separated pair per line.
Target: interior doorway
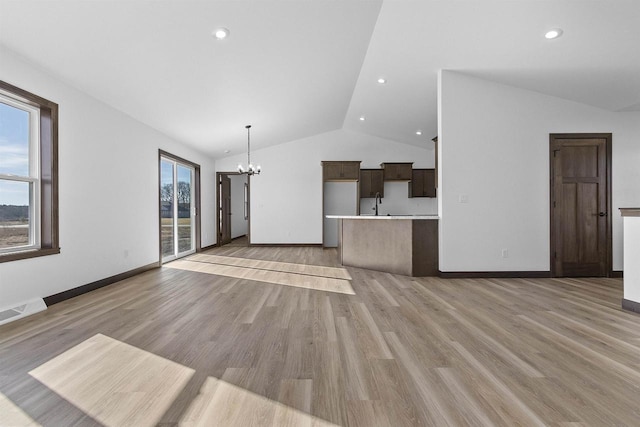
x,y
179,194
232,209
580,166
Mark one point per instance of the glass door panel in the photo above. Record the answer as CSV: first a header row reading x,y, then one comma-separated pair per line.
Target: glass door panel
x,y
177,209
166,209
184,197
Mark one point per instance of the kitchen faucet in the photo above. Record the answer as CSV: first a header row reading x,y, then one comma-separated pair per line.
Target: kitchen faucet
x,y
378,198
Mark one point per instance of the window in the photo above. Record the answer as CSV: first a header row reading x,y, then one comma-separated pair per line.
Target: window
x,y
28,175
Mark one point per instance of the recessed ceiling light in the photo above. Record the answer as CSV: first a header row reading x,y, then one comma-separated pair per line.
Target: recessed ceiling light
x,y
362,118
418,132
227,151
553,34
221,33
382,80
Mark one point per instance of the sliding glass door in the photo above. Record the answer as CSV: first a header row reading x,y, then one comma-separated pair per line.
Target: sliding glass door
x,y
177,209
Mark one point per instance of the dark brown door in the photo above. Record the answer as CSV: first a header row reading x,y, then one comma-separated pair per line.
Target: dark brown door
x,y
225,210
580,201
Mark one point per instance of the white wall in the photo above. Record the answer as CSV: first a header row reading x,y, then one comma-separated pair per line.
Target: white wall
x,y
238,223
108,182
286,198
494,149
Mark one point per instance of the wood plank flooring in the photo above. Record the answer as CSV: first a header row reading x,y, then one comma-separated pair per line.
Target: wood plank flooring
x,y
182,347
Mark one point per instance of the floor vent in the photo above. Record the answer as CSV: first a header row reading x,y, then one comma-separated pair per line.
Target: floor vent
x,y
22,310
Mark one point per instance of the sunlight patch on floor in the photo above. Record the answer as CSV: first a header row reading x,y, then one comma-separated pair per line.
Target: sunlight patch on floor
x,y
220,403
120,385
12,415
300,280
284,267
113,382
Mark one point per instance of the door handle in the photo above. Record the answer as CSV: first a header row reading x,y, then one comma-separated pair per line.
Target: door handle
x,y
602,214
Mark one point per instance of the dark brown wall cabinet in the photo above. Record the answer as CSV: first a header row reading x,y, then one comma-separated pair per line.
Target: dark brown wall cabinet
x,y
371,182
397,171
341,171
423,183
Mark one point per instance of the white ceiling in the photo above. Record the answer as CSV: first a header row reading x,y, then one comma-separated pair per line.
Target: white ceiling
x,y
298,68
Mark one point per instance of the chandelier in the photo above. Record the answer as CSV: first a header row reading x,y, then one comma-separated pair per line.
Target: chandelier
x,y
250,170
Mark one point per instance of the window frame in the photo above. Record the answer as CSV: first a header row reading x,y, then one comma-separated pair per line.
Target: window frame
x,y
43,174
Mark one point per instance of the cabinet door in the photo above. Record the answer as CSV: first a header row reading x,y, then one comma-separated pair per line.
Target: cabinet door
x,y
350,170
423,183
340,171
377,182
430,183
365,183
371,182
397,171
418,182
331,170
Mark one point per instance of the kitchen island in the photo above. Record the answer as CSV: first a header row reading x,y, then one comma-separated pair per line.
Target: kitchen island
x,y
399,244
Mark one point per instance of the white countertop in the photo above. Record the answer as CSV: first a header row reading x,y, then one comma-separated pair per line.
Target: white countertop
x,y
407,217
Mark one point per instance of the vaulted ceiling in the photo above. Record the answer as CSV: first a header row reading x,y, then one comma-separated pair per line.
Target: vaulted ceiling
x,y
298,68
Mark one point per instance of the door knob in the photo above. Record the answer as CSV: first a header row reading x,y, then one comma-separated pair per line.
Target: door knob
x,y
602,214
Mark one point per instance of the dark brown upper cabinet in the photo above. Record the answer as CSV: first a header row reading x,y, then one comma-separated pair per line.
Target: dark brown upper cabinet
x,y
397,171
423,183
371,182
341,171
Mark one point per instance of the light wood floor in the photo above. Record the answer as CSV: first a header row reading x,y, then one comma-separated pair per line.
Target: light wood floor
x,y
242,241
181,347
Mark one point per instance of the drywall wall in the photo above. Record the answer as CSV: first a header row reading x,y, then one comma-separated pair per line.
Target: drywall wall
x,y
494,171
286,198
238,221
108,185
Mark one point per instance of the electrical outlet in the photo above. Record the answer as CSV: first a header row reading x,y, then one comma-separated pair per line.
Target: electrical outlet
x,y
126,253
463,198
505,253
